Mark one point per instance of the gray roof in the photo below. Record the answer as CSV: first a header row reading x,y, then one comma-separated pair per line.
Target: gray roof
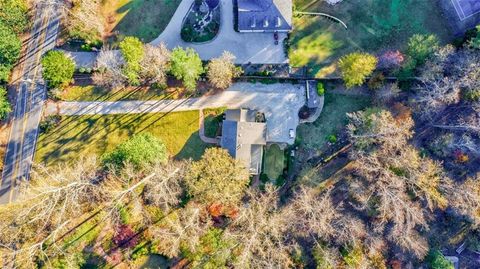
x,y
265,15
244,140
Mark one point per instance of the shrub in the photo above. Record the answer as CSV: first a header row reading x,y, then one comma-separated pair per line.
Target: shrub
x,y
133,53
352,255
320,89
58,69
332,138
390,60
355,67
140,150
125,237
472,95
420,47
5,106
187,66
49,123
376,81
436,260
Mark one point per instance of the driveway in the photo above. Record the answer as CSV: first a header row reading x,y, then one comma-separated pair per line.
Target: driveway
x,y
256,48
279,102
247,47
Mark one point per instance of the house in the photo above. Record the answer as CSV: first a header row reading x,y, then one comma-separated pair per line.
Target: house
x,y
244,138
264,15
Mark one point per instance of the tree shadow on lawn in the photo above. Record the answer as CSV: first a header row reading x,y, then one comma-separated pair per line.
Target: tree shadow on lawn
x,y
193,148
146,19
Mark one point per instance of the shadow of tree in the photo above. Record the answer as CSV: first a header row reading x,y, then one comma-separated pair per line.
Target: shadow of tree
x,y
193,148
145,19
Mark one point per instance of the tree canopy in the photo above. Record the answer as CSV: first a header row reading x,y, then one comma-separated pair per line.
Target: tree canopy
x,y
222,70
10,46
140,150
58,69
216,178
187,66
5,106
133,53
13,13
355,68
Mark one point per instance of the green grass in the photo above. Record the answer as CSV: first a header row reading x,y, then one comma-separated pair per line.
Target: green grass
x,y
373,26
274,162
145,19
92,93
78,136
212,120
331,121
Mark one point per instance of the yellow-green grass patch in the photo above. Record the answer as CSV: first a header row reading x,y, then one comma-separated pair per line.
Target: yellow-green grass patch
x,y
80,136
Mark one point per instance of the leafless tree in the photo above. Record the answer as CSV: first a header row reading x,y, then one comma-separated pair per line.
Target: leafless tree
x,y
387,173
465,199
85,16
261,229
222,70
181,228
314,214
46,209
110,64
155,64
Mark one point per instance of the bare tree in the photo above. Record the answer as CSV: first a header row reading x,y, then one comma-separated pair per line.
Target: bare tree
x,y
261,229
110,65
46,209
465,199
181,228
222,70
85,19
155,64
314,214
388,170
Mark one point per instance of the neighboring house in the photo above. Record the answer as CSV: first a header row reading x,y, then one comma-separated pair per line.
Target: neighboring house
x,y
244,138
264,15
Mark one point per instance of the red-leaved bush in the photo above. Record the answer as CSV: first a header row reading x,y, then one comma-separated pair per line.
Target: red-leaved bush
x,y
125,237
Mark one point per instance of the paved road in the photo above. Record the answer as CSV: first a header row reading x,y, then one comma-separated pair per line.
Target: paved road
x,y
31,95
279,102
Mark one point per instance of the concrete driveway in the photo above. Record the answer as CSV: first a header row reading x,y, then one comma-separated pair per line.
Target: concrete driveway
x,y
279,102
256,48
247,47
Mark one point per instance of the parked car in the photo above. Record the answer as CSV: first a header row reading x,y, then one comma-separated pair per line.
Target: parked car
x,y
291,133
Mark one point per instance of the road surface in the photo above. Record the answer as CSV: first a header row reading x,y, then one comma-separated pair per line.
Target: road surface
x,y
31,96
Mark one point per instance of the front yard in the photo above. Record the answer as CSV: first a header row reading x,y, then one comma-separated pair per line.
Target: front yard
x,y
373,26
145,19
79,136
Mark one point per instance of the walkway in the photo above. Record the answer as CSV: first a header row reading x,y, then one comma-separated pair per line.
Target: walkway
x,y
279,102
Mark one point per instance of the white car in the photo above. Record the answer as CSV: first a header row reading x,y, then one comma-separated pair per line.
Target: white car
x,y
291,133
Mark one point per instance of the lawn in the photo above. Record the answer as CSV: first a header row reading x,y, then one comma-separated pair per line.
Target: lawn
x,y
274,162
145,19
92,93
332,120
79,136
212,120
373,26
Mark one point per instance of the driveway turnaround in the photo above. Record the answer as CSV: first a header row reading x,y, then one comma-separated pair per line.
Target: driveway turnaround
x,y
247,47
279,102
